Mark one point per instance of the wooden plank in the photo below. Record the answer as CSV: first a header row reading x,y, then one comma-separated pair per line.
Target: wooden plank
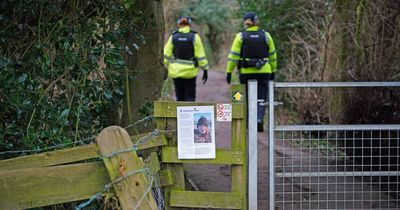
x,y
223,156
152,163
69,155
239,172
172,138
168,108
176,170
51,158
132,188
35,187
166,178
196,199
155,141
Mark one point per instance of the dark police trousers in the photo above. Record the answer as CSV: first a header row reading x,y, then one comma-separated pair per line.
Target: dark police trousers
x,y
262,92
185,89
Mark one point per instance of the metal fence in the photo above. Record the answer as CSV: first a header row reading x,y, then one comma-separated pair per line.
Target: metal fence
x,y
333,166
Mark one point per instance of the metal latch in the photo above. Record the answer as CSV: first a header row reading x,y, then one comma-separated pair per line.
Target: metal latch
x,y
261,102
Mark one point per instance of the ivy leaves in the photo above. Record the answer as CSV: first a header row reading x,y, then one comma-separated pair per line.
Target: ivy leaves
x,y
61,69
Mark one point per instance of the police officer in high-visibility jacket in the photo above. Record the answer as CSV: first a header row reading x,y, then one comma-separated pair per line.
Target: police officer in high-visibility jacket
x,y
183,55
253,51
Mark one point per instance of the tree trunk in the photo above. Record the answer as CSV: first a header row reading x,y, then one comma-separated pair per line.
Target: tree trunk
x,y
145,70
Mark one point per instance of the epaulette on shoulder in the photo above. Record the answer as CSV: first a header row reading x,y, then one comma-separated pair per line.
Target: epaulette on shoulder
x,y
191,31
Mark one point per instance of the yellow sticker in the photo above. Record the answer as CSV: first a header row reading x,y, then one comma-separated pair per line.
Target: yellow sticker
x,y
237,96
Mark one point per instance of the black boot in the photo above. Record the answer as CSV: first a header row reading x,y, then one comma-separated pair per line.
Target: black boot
x,y
260,126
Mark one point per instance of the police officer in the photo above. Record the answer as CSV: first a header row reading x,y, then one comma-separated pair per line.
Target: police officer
x,y
183,55
253,51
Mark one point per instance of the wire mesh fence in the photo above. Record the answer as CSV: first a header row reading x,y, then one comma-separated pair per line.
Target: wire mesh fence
x,y
333,166
351,169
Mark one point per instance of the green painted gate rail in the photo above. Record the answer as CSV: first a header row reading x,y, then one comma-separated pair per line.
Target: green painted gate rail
x,y
55,177
175,194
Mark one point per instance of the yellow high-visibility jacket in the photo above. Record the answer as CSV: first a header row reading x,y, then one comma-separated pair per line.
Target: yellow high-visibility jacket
x,y
234,55
186,69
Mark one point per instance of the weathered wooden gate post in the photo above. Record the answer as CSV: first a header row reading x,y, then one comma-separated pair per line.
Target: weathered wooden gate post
x,y
239,172
176,171
132,188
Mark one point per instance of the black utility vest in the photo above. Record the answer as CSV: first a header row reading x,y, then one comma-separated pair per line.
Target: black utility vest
x,y
183,45
254,45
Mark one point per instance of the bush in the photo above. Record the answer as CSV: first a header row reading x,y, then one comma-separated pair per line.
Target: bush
x,y
61,69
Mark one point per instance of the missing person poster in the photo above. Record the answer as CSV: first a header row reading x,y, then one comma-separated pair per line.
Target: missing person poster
x,y
196,132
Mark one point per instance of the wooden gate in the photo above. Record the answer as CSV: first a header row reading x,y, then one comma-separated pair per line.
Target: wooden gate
x,y
67,175
110,167
175,194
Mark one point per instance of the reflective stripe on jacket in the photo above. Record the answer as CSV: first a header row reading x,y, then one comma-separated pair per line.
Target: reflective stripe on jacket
x,y
179,68
234,55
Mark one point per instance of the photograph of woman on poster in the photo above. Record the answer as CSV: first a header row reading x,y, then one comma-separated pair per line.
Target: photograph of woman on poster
x,y
202,131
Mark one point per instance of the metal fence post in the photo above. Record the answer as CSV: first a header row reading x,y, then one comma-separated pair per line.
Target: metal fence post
x,y
252,148
271,146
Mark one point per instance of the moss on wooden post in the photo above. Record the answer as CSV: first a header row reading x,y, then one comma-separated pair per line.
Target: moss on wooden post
x,y
175,170
239,172
132,189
